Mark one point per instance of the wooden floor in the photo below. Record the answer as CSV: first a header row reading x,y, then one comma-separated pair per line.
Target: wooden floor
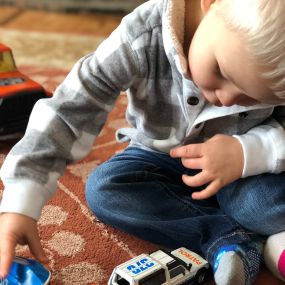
x,y
101,24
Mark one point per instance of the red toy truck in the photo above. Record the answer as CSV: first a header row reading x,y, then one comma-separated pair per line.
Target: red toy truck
x,y
18,94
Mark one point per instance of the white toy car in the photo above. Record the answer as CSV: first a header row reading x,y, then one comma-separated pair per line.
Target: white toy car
x,y
180,266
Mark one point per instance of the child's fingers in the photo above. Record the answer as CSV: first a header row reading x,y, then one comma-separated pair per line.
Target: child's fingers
x,y
36,247
192,163
191,150
197,180
7,253
209,191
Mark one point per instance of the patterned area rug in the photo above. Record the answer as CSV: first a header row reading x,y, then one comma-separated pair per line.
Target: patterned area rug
x,y
82,250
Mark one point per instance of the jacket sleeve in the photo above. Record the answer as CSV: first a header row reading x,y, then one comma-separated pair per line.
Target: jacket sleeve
x,y
62,129
264,146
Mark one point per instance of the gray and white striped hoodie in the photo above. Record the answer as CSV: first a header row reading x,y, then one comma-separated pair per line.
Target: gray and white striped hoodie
x,y
143,56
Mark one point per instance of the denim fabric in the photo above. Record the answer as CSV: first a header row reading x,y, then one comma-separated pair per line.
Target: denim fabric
x,y
256,202
141,192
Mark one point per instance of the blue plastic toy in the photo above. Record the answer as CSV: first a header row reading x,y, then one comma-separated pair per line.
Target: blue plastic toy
x,y
25,271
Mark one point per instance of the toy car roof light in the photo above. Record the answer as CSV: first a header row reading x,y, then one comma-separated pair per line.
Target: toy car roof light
x,y
7,62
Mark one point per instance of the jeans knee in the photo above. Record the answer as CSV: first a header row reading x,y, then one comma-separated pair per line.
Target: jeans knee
x,y
263,224
94,192
257,219
257,203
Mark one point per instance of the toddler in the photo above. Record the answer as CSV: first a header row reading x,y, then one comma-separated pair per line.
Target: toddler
x,y
205,87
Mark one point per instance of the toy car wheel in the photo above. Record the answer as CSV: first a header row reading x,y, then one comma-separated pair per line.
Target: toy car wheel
x,y
201,276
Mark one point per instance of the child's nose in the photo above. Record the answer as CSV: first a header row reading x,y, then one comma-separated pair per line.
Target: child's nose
x,y
228,97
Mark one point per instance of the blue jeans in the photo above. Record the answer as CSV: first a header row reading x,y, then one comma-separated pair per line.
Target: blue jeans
x,y
142,193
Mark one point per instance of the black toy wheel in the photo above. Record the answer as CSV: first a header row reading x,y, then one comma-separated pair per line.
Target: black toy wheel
x,y
201,276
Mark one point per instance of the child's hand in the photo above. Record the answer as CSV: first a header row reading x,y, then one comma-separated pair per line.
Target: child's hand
x,y
17,229
220,160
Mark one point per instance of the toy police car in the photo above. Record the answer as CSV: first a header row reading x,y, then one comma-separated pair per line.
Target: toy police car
x,y
180,266
18,94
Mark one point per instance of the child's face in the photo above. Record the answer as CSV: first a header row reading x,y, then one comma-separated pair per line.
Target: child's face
x,y
221,68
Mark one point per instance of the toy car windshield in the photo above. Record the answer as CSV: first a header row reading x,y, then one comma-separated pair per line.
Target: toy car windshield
x,y
11,81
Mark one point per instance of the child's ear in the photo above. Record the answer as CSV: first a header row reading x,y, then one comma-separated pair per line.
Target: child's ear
x,y
206,4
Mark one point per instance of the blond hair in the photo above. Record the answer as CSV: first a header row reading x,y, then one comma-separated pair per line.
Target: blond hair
x,y
261,25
